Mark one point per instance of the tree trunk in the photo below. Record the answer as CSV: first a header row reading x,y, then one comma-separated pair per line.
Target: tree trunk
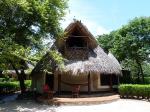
x,y
141,70
20,78
142,74
138,75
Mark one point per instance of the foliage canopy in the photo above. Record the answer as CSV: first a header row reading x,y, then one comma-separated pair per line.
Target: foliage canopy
x,y
130,44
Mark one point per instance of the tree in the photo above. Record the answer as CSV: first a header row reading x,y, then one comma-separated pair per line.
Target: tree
x,y
131,42
106,41
24,24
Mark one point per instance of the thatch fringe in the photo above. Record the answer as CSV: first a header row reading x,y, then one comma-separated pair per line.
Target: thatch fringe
x,y
116,62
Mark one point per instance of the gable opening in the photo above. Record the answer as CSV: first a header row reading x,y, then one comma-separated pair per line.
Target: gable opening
x,y
77,39
76,42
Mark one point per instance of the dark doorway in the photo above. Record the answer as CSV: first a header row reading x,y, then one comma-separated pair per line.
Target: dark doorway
x,y
50,80
76,42
105,79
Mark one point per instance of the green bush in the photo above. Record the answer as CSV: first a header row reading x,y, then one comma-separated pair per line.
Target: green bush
x,y
11,79
28,83
2,79
7,79
135,80
147,80
7,87
9,84
134,90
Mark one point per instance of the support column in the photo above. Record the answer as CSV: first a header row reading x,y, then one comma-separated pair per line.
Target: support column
x,y
59,84
89,83
111,88
118,79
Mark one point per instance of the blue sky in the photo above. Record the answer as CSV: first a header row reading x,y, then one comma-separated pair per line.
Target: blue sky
x,y
103,16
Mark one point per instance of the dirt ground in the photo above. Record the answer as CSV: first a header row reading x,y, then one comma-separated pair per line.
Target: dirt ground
x,y
121,105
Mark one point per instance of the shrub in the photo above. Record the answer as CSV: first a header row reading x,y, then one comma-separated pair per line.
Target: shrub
x,y
132,90
135,80
7,87
2,79
11,79
28,83
147,80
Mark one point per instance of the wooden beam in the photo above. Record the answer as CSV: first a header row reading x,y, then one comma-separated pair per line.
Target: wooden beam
x,y
89,83
118,79
77,36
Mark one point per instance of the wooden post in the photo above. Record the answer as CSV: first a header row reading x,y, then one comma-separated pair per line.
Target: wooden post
x,y
118,79
89,84
59,84
111,88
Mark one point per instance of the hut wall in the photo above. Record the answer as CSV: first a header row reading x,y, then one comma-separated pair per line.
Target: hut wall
x,y
95,84
55,82
38,81
65,87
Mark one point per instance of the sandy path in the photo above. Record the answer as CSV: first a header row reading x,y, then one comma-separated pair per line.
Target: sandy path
x,y
121,105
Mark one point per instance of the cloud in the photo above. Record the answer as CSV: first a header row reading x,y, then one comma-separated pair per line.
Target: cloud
x,y
93,27
101,30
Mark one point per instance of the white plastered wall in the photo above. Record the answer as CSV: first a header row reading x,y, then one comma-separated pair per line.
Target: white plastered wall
x,y
95,84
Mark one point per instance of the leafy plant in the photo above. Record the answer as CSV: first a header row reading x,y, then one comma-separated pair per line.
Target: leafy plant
x,y
134,90
130,45
13,86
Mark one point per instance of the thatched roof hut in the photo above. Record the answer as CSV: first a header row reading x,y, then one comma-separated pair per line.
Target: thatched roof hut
x,y
83,56
98,61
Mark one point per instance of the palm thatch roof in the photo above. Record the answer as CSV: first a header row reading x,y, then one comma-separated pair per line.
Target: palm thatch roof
x,y
77,25
116,62
47,62
98,62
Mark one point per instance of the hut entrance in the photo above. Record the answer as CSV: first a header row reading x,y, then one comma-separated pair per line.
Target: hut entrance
x,y
50,80
105,79
109,79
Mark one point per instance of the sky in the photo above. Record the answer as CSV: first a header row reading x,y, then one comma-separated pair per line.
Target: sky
x,y
104,16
